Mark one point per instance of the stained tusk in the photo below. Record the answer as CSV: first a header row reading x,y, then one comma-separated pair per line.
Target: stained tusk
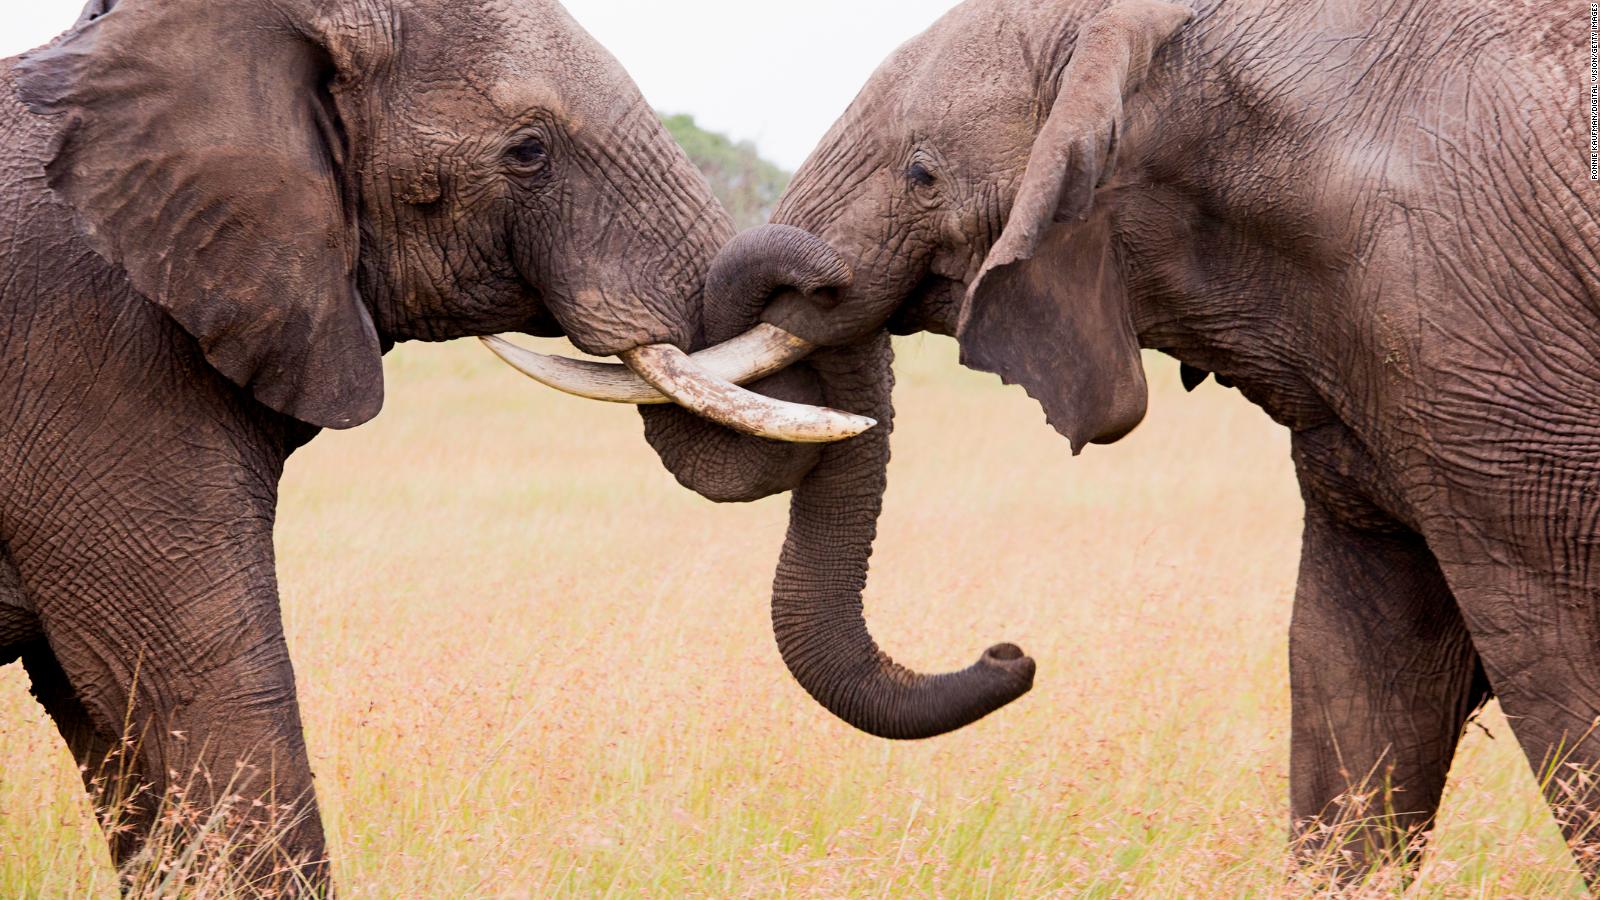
x,y
677,375
757,353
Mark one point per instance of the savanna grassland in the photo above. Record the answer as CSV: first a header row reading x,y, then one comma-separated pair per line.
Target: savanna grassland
x,y
533,666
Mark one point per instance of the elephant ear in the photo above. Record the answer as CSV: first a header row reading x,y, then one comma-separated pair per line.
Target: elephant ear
x,y
1049,309
199,148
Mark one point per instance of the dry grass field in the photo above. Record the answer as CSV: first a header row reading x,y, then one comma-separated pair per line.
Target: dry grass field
x,y
533,666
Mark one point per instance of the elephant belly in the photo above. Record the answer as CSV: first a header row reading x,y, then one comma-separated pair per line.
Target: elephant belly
x,y
18,624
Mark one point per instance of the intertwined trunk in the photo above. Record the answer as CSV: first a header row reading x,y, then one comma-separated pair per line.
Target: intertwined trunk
x,y
838,495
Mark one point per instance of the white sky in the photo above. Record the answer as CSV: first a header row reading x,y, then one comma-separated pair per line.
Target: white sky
x,y
777,73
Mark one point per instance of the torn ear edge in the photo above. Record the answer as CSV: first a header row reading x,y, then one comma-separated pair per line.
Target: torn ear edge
x,y
1049,310
1058,324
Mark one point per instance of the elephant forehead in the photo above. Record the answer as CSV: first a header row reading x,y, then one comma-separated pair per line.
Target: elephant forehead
x,y
980,65
515,55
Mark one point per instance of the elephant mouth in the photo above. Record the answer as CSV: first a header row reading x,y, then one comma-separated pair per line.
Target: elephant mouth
x,y
933,306
707,383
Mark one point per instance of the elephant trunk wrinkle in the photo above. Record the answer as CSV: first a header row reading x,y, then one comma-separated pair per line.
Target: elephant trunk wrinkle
x,y
817,612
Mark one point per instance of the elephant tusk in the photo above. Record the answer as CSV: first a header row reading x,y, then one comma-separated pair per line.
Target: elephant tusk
x,y
677,375
706,383
757,353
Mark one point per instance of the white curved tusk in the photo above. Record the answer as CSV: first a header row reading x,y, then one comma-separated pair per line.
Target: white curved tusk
x,y
757,353
675,374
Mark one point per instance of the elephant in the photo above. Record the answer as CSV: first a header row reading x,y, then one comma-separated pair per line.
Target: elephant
x,y
219,217
1368,217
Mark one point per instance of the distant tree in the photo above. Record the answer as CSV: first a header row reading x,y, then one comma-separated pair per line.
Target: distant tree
x,y
745,183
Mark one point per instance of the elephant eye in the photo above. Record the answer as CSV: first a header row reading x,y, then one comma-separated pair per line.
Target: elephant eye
x,y
527,153
919,175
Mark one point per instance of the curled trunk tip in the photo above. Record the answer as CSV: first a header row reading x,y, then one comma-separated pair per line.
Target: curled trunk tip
x,y
887,700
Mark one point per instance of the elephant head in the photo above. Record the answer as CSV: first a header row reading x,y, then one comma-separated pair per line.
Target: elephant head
x,y
302,183
962,187
960,193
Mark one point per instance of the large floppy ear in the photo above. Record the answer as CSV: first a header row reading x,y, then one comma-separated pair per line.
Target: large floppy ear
x,y
1049,309
201,151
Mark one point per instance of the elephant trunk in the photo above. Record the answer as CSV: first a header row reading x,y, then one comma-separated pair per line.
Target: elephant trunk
x,y
762,262
816,600
716,462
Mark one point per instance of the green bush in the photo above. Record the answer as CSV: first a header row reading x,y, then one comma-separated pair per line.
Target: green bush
x,y
745,183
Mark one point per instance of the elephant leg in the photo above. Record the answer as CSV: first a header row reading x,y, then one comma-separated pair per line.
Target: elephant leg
x,y
1520,552
169,638
1384,677
216,743
110,769
1541,648
218,765
1556,723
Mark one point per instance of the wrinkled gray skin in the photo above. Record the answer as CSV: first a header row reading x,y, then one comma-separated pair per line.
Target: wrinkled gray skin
x,y
217,217
1371,217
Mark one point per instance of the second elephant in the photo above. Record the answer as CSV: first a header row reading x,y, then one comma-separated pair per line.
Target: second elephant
x,y
1378,230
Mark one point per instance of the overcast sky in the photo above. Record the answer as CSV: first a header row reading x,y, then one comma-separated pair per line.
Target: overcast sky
x,y
777,73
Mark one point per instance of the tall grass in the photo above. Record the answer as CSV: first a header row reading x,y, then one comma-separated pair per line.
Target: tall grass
x,y
532,666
